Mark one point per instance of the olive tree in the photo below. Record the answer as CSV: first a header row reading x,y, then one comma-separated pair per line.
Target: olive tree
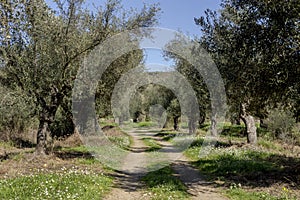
x,y
255,45
42,48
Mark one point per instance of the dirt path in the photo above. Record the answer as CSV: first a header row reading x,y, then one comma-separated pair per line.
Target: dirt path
x,y
129,186
127,181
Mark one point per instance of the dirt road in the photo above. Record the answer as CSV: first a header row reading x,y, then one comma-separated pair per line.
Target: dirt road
x,y
135,166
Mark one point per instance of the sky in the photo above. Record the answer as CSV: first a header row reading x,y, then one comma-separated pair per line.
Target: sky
x,y
177,15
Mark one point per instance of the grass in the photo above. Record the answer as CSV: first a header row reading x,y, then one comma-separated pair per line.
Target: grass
x,y
7,145
233,130
233,162
68,184
79,149
240,194
255,167
88,161
117,136
164,186
18,156
152,144
105,123
270,145
123,142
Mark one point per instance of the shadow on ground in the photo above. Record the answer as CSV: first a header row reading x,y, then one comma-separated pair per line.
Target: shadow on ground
x,y
126,181
252,168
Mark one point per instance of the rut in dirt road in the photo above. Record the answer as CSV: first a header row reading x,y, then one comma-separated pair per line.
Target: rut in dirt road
x,y
127,181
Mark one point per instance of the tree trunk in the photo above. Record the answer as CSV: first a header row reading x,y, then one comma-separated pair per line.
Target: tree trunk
x,y
235,121
176,119
201,120
42,137
213,127
46,118
250,125
192,126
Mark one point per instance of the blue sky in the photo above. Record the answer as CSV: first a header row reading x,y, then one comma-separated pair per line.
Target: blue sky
x,y
176,15
179,14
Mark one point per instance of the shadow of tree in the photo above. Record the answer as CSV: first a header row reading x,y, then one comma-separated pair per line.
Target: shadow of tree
x,y
220,144
234,131
66,155
21,143
127,181
252,168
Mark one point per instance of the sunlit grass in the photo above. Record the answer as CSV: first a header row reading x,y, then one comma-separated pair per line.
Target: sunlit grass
x,y
240,194
223,162
67,184
230,165
6,145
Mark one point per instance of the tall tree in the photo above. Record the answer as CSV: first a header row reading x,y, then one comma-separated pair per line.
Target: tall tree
x,y
42,48
255,45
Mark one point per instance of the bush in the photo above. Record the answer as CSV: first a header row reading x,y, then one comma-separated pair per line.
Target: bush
x,y
280,123
16,113
296,133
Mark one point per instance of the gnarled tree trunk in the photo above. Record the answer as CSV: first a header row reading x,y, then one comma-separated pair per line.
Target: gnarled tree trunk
x,y
192,125
45,120
42,137
176,120
249,121
201,119
213,127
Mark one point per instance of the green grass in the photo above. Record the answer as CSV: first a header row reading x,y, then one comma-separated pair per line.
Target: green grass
x,y
164,186
88,161
152,144
224,163
79,149
121,139
123,142
270,145
18,156
7,145
69,184
243,165
233,130
233,162
240,194
104,123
